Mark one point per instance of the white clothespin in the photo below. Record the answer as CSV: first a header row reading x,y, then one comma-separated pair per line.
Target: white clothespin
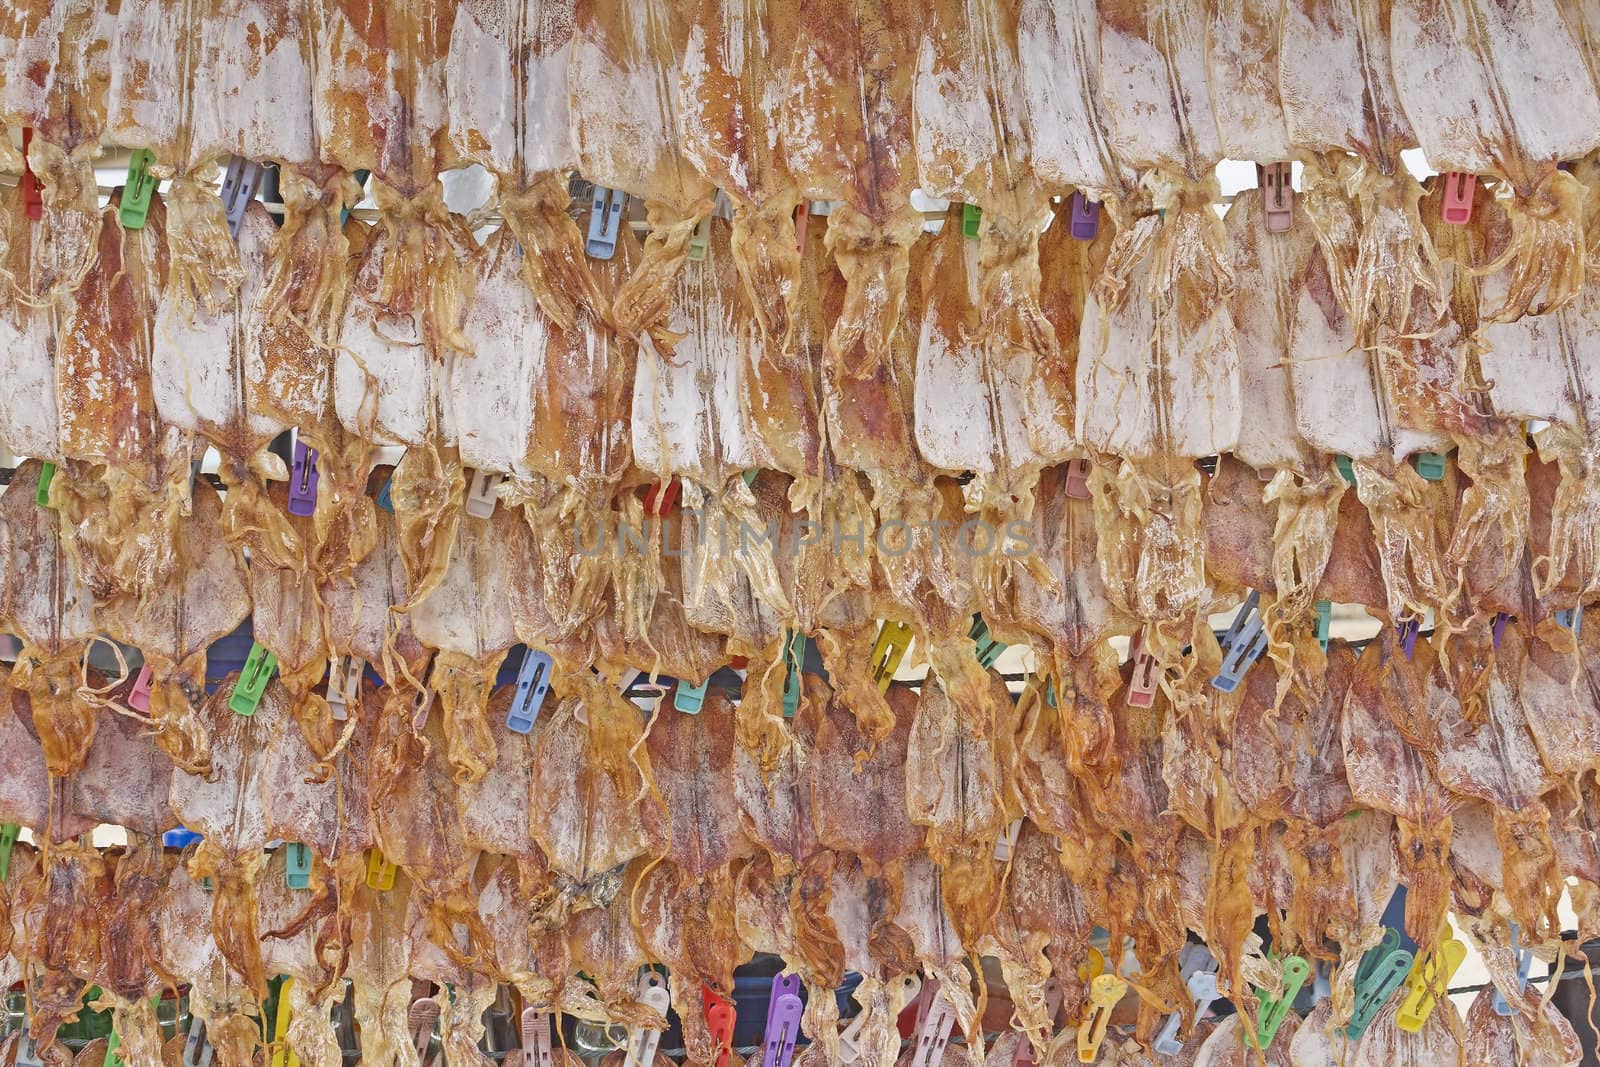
x,y
642,1040
910,987
483,493
344,685
537,1049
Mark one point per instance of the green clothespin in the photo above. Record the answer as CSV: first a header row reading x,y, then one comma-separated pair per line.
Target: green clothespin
x,y
794,659
47,474
136,191
1345,468
1324,622
971,215
689,699
888,650
361,178
1275,1009
113,1042
750,475
8,838
987,648
1430,465
252,684
1383,967
701,241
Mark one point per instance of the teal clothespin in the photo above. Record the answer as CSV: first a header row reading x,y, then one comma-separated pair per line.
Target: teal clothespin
x,y
8,838
252,684
297,865
794,659
47,474
971,216
987,648
1275,1009
361,179
137,189
700,243
1382,969
750,475
1345,468
689,699
1324,622
1430,465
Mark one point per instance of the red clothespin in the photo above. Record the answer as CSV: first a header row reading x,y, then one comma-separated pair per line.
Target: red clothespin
x,y
1456,208
1052,1004
935,1021
1078,479
139,695
32,191
720,1015
1146,674
1277,195
660,499
801,213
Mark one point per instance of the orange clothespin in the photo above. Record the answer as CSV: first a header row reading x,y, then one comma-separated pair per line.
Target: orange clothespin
x,y
658,501
720,1015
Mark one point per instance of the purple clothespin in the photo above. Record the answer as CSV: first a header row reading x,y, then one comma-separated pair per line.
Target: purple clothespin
x,y
1408,629
139,695
1499,626
303,480
783,1021
1084,218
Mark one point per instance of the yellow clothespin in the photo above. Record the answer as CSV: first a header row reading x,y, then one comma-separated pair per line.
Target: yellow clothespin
x,y
380,872
887,652
1105,991
1429,980
283,1055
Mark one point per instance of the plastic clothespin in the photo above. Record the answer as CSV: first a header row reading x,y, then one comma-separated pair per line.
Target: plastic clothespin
x,y
700,243
910,988
888,650
197,1050
1203,988
1277,195
344,685
720,1017
283,1055
180,837
297,865
1428,981
303,480
1524,954
605,222
9,832
1105,992
935,1021
361,177
1023,1057
47,474
259,666
538,1047
1242,645
421,1018
383,500
658,500
380,872
987,648
1078,479
971,219
794,661
1324,609
1408,629
483,493
1497,628
1382,969
1456,207
1572,619
1430,465
1275,1009
1006,843
32,191
1084,218
139,695
642,1040
689,699
533,683
114,1059
238,189
1146,674
802,212
137,189
1347,469
783,1021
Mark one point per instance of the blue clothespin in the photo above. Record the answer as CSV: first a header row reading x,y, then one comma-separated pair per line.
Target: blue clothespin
x,y
361,179
238,189
1324,622
180,837
690,698
259,666
1572,619
783,1021
1524,956
1275,1009
9,832
137,189
987,648
1430,465
794,661
383,500
533,683
1408,630
971,218
1242,645
605,222
297,865
1382,969
1084,220
303,480
47,474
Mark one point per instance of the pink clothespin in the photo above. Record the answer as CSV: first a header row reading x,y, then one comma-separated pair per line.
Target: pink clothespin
x,y
1146,674
139,695
1277,195
783,1021
935,1020
1052,1004
537,1049
801,213
1457,206
1078,479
